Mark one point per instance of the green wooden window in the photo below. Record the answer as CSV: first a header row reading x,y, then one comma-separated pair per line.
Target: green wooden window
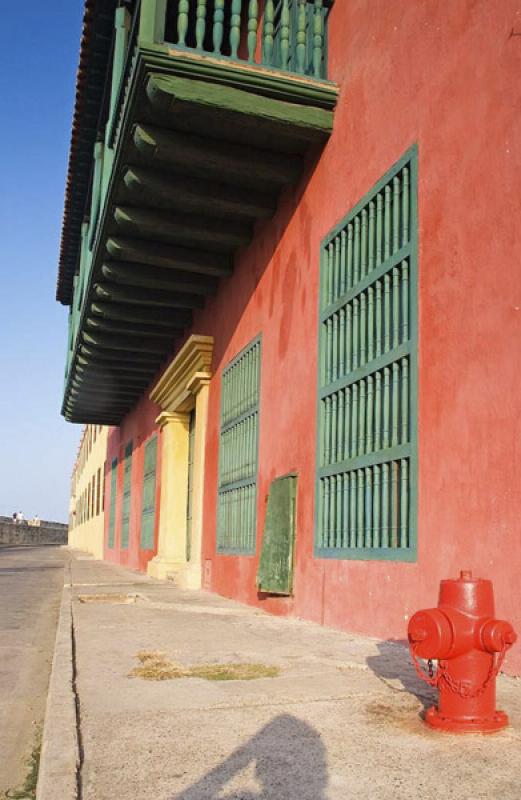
x,y
190,488
237,501
113,497
148,509
366,483
125,513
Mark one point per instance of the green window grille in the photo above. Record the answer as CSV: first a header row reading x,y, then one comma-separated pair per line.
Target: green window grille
x,y
190,491
367,453
113,497
125,514
237,501
148,510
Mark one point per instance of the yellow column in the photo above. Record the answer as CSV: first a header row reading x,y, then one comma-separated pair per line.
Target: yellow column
x,y
199,387
171,552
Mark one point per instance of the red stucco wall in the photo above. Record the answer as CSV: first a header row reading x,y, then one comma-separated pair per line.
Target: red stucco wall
x,y
445,78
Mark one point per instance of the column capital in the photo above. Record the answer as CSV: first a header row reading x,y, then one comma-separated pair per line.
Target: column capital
x,y
190,370
196,383
172,418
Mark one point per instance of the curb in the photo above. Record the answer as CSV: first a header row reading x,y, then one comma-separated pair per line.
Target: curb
x,y
60,756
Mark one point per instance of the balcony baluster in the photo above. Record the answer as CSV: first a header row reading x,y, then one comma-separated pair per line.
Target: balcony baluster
x,y
218,27
200,25
318,38
235,28
285,35
253,22
301,36
268,29
182,22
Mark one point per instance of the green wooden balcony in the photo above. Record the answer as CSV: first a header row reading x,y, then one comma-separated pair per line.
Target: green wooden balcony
x,y
208,113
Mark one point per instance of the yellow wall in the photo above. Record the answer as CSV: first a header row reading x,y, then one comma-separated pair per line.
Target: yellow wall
x,y
86,514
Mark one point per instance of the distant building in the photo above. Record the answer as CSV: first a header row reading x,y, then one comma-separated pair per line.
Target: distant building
x,y
87,501
291,257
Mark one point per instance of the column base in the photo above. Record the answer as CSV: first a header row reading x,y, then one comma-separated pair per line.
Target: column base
x,y
160,567
185,575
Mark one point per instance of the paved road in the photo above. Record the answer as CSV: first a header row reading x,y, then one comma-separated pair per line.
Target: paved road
x,y
31,581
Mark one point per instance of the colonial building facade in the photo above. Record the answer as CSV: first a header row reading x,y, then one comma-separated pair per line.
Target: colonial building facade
x,y
290,253
87,501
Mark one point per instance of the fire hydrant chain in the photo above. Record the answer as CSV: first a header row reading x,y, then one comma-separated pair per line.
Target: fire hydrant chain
x,y
458,687
432,678
462,689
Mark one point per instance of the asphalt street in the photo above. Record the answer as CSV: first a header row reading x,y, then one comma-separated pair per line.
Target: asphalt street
x,y
31,582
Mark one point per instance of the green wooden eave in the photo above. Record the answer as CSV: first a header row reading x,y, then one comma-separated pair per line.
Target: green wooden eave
x,y
202,150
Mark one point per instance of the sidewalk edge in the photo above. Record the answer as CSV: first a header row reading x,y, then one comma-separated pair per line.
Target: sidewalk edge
x,y
57,775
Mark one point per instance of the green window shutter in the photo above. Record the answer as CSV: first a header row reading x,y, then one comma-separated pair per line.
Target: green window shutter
x,y
237,500
113,497
367,405
125,514
148,512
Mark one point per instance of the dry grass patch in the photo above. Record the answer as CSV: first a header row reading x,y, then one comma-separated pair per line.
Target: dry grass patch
x,y
126,599
156,666
233,672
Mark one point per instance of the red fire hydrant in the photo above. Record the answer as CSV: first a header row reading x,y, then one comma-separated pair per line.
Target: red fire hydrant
x,y
469,645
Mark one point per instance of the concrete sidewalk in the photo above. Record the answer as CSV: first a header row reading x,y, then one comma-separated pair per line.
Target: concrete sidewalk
x,y
340,721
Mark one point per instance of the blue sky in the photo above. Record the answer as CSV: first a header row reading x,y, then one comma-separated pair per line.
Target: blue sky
x,y
38,59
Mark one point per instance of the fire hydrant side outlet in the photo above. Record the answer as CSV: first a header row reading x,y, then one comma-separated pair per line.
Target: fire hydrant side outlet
x,y
469,645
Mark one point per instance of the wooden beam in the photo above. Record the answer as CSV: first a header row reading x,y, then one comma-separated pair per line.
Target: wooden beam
x,y
180,228
166,92
139,371
146,297
92,354
86,418
175,191
104,378
101,404
130,368
112,326
105,392
129,273
171,256
165,319
215,159
134,344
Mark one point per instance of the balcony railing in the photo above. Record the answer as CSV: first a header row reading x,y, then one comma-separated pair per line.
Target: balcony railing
x,y
288,35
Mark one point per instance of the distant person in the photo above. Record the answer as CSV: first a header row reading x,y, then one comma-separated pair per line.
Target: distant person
x,y
21,517
15,517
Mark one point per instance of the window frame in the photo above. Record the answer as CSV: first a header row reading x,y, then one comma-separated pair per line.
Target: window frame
x,y
152,440
410,252
220,548
126,521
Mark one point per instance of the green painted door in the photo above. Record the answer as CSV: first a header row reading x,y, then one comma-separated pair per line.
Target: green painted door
x,y
148,512
275,573
125,517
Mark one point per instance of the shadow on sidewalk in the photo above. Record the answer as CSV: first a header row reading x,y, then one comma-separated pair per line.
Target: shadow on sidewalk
x,y
393,663
289,763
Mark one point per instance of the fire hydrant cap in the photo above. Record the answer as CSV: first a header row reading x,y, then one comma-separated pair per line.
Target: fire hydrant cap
x,y
430,631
